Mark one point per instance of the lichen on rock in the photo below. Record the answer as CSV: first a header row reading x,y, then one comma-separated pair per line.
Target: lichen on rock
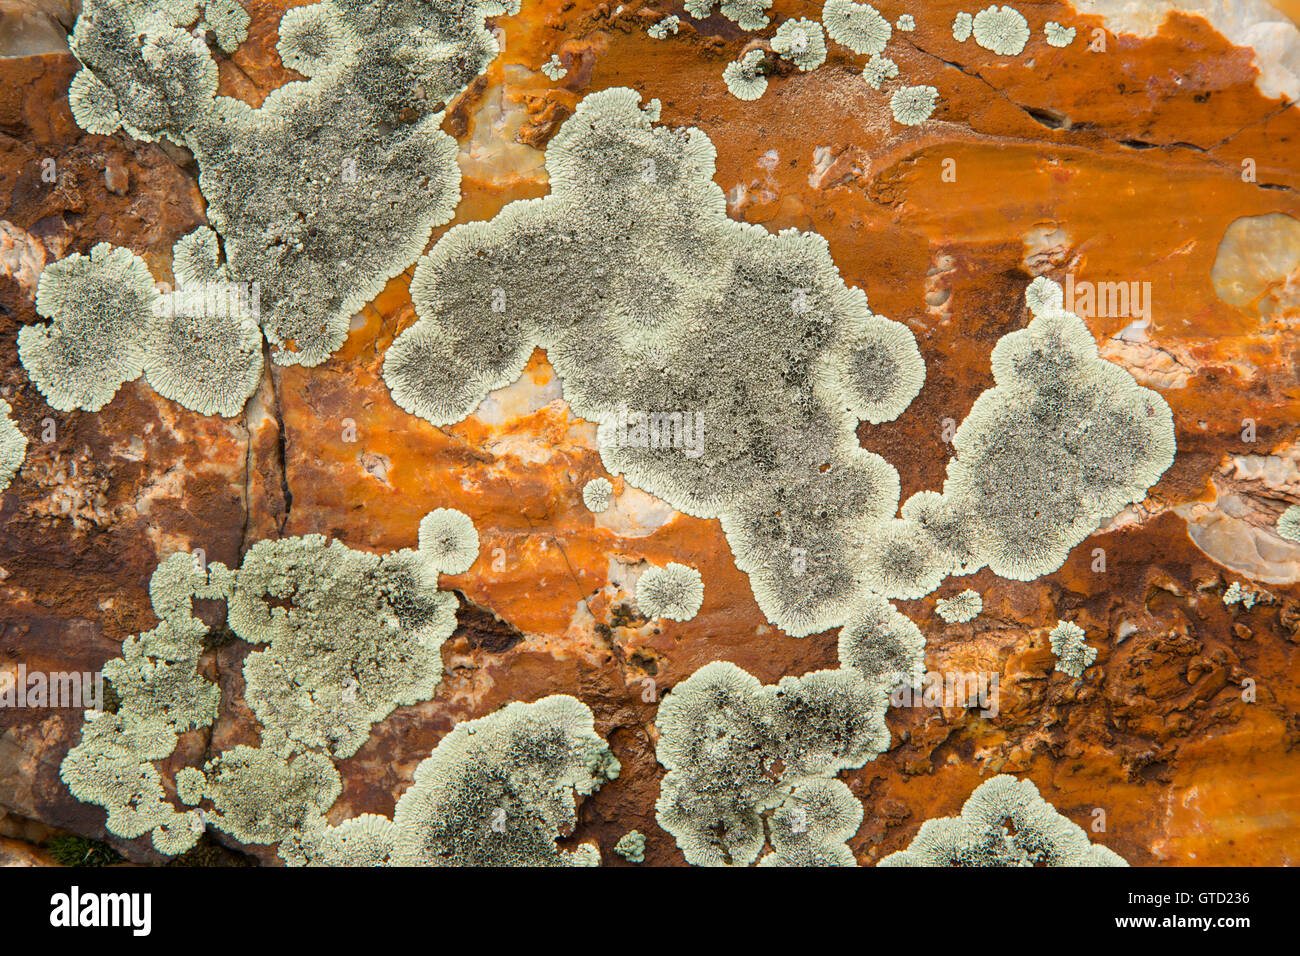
x,y
1038,836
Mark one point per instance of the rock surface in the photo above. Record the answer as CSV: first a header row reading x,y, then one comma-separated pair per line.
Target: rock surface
x,y
1125,165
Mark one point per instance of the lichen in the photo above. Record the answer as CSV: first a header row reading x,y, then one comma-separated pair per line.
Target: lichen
x,y
13,446
912,105
333,185
813,824
883,645
161,695
754,335
906,23
1288,525
747,14
311,41
878,69
1039,835
100,307
449,539
960,608
962,25
350,636
597,494
858,26
365,840
360,636
1246,596
674,592
1004,30
749,763
631,846
662,28
501,790
1073,656
1044,296
229,22
802,42
554,68
1058,35
1062,441
262,796
744,77
204,348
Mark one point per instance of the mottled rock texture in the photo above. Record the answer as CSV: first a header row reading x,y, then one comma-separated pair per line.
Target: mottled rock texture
x,y
1123,165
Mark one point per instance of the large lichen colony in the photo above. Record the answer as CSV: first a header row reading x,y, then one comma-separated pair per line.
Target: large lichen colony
x,y
728,370
348,636
1037,835
333,185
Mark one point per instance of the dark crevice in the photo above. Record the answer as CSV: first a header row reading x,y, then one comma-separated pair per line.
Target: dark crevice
x,y
1049,118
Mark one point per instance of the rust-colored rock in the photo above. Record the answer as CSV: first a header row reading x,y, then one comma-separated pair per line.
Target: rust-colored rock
x,y
1123,166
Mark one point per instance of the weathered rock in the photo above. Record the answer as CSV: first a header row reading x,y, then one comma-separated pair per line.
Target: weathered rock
x,y
1117,166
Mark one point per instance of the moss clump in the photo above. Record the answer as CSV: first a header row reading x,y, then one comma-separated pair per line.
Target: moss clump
x,y
72,850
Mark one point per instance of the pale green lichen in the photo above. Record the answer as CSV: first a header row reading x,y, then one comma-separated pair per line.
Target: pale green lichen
x,y
229,22
906,23
858,26
754,335
311,41
497,791
1246,596
597,494
161,695
204,348
366,840
661,28
960,608
332,186
878,69
631,846
100,307
141,69
747,14
802,42
883,645
360,635
1073,656
1044,296
260,795
1038,836
900,563
449,539
196,258
13,446
674,591
350,637
744,77
1058,35
94,105
1061,442
1004,30
962,26
748,764
813,825
878,371
1288,525
912,105
501,790
555,69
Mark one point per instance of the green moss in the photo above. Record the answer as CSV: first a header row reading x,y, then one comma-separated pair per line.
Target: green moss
x,y
71,850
